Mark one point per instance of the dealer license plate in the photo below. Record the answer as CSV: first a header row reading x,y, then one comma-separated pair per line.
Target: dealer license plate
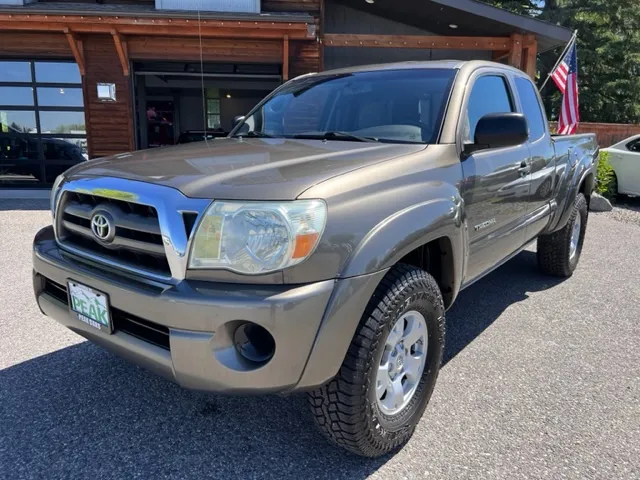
x,y
90,306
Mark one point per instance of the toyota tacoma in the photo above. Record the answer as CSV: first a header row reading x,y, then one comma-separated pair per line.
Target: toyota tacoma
x,y
317,248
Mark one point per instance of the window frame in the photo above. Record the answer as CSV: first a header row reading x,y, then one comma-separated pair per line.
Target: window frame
x,y
210,114
632,142
475,76
543,115
38,136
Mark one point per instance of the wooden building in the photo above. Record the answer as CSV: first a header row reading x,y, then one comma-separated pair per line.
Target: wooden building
x,y
92,78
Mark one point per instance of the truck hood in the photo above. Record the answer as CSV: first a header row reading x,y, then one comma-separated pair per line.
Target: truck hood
x,y
243,169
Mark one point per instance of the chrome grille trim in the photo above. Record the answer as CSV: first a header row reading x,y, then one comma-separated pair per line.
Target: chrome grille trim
x,y
169,204
118,242
132,221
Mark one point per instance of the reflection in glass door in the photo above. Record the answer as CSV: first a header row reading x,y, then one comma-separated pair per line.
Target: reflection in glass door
x,y
160,123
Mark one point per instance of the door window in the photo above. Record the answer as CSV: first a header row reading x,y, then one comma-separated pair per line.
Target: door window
x,y
490,94
530,108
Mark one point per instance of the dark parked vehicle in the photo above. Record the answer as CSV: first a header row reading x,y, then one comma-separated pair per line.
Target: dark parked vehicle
x,y
318,247
19,155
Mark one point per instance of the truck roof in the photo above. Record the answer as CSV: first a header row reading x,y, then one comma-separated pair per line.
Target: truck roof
x,y
451,64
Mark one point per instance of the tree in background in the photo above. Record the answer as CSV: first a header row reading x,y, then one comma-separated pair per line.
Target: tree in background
x,y
608,55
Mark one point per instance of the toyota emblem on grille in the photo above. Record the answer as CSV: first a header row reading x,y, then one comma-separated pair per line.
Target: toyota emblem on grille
x,y
102,226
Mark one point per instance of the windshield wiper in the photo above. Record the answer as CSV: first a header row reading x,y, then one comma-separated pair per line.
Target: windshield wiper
x,y
346,136
253,134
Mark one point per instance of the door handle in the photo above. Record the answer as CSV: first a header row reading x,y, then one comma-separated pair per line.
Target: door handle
x,y
525,169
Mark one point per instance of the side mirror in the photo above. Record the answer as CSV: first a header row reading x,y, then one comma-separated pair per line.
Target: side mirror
x,y
236,120
497,130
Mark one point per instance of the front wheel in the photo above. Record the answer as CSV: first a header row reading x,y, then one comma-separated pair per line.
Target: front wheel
x,y
385,382
559,252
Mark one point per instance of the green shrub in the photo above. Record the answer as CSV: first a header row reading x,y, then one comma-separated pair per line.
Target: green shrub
x,y
605,177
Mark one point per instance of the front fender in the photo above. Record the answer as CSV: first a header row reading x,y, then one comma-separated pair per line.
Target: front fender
x,y
404,231
379,250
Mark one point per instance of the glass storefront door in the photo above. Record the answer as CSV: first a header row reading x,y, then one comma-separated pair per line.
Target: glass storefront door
x,y
42,123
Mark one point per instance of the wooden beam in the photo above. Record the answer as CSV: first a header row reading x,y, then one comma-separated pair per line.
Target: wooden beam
x,y
76,49
123,51
515,51
417,41
530,55
285,58
158,26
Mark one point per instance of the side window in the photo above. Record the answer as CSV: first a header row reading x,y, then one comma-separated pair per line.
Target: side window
x,y
531,108
489,94
634,146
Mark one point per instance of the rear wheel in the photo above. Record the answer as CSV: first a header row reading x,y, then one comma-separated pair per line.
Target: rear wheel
x,y
559,252
382,389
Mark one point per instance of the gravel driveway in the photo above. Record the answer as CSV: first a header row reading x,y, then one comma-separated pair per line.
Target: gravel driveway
x,y
541,380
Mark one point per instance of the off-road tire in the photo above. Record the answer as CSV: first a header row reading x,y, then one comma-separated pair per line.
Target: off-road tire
x,y
554,248
346,409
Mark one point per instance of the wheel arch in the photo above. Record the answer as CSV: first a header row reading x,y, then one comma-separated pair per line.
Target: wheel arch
x,y
587,186
438,258
437,245
581,180
403,236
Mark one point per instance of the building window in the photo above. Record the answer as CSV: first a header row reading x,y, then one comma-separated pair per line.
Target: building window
x,y
42,123
213,108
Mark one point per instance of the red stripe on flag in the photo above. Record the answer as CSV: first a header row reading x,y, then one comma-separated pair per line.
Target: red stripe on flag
x,y
559,76
576,102
569,115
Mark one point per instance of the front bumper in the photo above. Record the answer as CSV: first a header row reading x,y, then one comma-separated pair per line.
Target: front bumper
x,y
201,318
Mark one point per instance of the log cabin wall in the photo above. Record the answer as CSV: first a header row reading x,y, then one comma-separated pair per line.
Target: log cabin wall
x,y
46,45
109,124
304,56
213,49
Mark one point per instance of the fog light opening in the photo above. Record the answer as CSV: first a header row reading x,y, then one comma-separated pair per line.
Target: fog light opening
x,y
254,343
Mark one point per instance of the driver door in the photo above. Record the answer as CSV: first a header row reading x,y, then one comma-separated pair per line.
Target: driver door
x,y
496,181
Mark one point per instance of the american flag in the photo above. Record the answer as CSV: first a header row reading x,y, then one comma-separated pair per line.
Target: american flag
x,y
566,77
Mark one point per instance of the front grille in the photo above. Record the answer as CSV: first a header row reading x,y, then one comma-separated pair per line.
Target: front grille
x,y
137,243
124,322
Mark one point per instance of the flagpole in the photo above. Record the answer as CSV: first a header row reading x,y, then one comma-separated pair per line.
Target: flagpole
x,y
566,49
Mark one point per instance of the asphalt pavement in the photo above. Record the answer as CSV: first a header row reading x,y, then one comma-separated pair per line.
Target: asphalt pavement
x,y
541,380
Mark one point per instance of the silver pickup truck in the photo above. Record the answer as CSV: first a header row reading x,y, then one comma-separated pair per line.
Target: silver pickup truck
x,y
317,248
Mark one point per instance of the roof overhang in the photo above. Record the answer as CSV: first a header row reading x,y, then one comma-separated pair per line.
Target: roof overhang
x,y
470,18
152,22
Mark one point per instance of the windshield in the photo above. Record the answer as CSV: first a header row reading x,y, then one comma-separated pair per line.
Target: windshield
x,y
395,106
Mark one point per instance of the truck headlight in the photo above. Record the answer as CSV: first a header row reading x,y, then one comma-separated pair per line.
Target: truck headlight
x,y
55,190
257,237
